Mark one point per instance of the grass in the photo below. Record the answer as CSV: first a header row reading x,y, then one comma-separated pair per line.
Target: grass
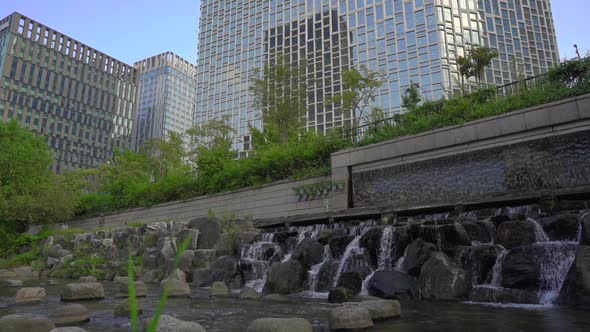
x,y
162,303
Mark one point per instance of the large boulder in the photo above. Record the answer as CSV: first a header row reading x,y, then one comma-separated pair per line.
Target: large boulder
x,y
201,277
441,279
340,295
176,288
123,309
209,231
280,325
82,291
521,268
87,279
168,323
417,253
451,236
249,293
225,268
478,260
194,238
351,280
24,271
561,227
382,309
393,285
203,258
30,294
308,252
338,245
324,278
576,288
371,241
285,278
219,289
140,289
325,235
7,274
350,317
72,314
25,323
516,233
503,295
151,276
11,283
585,236
482,231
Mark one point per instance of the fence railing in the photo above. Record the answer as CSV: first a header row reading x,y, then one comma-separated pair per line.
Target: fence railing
x,y
358,133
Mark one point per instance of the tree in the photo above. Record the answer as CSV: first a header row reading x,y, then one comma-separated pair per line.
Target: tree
x,y
411,97
465,69
166,155
360,88
279,93
474,64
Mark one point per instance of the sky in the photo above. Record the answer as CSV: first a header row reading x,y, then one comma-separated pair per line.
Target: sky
x,y
131,30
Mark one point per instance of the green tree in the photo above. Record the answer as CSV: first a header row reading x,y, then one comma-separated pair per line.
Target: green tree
x,y
166,155
465,69
360,88
474,64
411,97
279,93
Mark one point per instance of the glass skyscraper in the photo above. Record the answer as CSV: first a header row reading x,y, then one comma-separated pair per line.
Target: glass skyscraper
x,y
408,40
166,96
80,99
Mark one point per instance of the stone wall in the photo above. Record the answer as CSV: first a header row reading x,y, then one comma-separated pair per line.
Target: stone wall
x,y
535,151
269,201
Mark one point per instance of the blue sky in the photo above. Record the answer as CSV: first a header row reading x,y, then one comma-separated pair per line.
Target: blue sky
x,y
131,30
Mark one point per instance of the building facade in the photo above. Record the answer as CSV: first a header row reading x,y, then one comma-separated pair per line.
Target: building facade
x,y
80,99
166,95
407,40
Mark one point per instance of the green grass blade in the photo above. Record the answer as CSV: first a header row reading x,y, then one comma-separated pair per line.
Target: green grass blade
x,y
132,298
154,324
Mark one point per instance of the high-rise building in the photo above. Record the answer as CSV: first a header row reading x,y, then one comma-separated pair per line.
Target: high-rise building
x,y
81,100
165,95
408,40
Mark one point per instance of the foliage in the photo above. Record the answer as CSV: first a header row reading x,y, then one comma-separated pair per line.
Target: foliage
x,y
21,259
411,97
279,91
474,64
166,154
86,265
360,88
211,146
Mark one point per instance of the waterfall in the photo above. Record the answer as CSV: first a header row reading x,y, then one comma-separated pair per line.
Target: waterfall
x,y
386,249
254,254
497,269
540,235
555,263
353,248
314,272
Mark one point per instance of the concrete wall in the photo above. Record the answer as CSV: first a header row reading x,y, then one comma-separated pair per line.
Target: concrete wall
x,y
270,201
492,136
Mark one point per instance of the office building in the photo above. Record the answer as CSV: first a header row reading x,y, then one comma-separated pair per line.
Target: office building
x,y
165,95
80,99
407,40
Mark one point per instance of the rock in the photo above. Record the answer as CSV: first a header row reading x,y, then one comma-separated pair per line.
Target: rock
x,y
576,288
25,323
382,309
89,279
121,280
225,269
280,325
338,245
250,236
350,317
23,272
7,274
201,276
514,233
177,275
123,309
352,281
308,252
275,297
521,268
209,231
194,238
82,291
73,314
168,323
503,295
140,289
203,258
340,295
451,236
30,294
166,249
150,262
441,279
478,260
11,283
285,278
249,293
324,279
176,288
186,263
417,253
325,235
561,227
480,230
68,329
151,276
219,289
585,238
393,285
371,241
120,239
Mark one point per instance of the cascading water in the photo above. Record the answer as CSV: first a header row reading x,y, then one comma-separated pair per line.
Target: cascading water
x,y
254,255
540,235
555,264
385,249
352,249
497,269
314,272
